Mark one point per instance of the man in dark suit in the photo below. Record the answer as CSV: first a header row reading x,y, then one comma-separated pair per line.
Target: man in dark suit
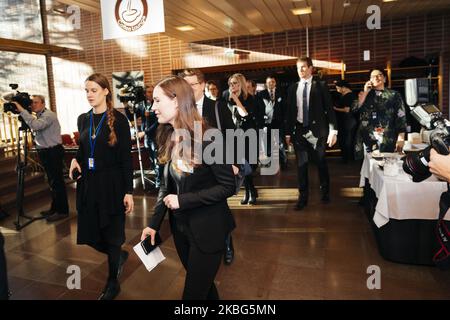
x,y
311,122
207,108
273,115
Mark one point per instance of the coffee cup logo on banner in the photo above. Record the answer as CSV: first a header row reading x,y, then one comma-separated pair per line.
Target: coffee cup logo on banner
x,y
131,15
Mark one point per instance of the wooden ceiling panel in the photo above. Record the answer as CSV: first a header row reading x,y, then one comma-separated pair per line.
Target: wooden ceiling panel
x,y
272,20
316,15
214,19
274,6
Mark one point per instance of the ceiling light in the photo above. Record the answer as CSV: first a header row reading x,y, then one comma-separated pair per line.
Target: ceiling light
x,y
389,0
185,28
347,3
300,11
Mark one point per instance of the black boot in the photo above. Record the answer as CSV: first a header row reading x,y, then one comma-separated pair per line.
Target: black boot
x,y
252,189
302,201
229,250
111,290
247,192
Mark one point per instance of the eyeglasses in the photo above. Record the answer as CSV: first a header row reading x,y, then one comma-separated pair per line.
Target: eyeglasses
x,y
233,83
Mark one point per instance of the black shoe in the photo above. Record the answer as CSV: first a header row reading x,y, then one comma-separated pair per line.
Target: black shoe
x,y
246,197
112,289
56,216
252,198
301,204
325,198
123,258
47,213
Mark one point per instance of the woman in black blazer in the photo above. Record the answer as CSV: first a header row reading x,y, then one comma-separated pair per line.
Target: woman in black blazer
x,y
244,114
194,193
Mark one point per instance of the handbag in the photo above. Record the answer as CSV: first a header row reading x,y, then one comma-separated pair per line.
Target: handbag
x,y
442,258
244,169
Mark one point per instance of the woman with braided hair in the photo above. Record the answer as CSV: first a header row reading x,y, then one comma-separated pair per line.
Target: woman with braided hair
x,y
105,179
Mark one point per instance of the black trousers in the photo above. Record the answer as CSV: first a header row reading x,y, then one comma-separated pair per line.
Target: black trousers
x,y
201,268
302,146
52,160
347,138
3,274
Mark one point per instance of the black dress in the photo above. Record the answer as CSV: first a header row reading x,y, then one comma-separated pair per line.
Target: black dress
x,y
100,192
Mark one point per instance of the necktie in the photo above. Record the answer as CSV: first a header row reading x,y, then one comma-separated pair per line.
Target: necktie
x,y
272,95
305,105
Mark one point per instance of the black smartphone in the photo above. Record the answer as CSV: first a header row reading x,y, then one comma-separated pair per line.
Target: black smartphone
x,y
147,243
75,174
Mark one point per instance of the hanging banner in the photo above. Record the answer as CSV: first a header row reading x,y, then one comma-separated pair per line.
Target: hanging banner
x,y
125,18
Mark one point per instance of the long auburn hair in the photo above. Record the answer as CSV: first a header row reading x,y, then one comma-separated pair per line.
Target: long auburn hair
x,y
103,82
177,87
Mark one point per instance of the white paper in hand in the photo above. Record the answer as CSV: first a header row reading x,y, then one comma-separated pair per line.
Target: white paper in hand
x,y
152,259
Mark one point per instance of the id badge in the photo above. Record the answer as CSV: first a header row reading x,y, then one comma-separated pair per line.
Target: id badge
x,y
374,115
91,164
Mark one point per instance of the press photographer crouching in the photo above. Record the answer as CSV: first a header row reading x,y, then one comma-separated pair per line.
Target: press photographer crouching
x,y
47,138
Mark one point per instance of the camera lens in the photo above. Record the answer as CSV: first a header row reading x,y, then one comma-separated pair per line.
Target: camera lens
x,y
415,164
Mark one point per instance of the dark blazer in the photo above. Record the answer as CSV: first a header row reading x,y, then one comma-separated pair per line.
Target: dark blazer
x,y
209,114
279,108
247,122
203,200
321,112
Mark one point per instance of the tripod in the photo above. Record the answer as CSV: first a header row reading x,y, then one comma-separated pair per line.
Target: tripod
x,y
143,177
21,166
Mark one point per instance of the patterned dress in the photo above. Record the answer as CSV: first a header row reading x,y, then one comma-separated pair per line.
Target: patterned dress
x,y
382,117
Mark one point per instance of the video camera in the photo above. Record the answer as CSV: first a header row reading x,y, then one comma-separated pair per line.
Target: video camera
x,y
431,118
130,92
22,98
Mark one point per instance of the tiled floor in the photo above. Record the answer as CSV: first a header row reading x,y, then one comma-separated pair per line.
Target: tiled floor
x,y
320,253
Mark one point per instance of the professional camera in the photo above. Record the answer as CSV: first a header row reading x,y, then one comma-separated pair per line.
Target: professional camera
x,y
430,117
132,93
23,98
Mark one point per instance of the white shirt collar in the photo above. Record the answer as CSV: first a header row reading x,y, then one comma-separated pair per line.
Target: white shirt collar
x,y
200,102
309,80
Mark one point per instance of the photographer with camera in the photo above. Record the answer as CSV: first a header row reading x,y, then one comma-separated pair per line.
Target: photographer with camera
x,y
149,124
47,138
382,117
439,165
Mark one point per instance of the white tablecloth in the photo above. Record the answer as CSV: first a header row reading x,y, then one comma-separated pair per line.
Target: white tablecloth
x,y
399,197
